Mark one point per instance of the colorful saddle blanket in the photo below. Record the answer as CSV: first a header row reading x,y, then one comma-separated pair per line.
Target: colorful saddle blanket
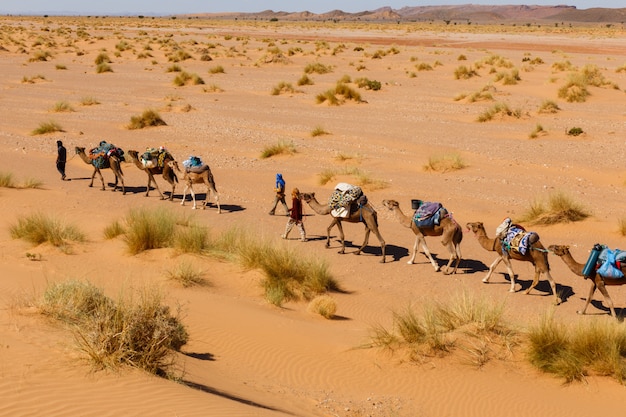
x,y
429,214
155,158
100,155
342,198
518,239
193,162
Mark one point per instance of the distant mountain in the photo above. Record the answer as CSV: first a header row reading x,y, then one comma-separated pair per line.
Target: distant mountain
x,y
462,13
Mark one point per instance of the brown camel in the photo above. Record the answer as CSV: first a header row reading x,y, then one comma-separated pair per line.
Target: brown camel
x,y
114,164
204,177
597,281
537,255
366,215
448,228
167,170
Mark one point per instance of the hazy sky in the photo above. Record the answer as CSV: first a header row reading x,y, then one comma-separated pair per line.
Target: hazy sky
x,y
147,7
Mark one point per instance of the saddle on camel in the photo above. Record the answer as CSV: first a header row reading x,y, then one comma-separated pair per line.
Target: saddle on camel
x,y
515,238
346,199
100,154
428,214
605,262
155,157
194,164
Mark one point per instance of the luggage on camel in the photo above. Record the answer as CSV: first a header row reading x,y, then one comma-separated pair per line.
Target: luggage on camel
x,y
515,237
342,199
155,157
604,261
100,154
194,164
427,214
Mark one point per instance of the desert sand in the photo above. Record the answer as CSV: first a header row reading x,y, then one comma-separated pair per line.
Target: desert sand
x,y
247,357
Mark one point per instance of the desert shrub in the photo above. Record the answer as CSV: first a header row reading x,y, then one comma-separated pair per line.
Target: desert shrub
x,y
592,76
465,322
89,101
560,208
185,78
179,55
462,73
563,66
218,69
7,180
318,68
47,127
574,89
575,131
361,178
149,229
621,69
32,183
575,351
282,87
38,228
148,118
621,226
341,89
212,88
445,163
319,131
461,58
140,332
548,106
324,305
33,79
102,58
280,148
174,68
497,61
423,66
102,68
40,56
114,230
305,80
186,275
536,131
501,109
60,67
122,46
368,84
62,106
191,239
508,78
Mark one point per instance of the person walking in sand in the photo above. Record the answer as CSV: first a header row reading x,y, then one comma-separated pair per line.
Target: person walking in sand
x,y
280,195
61,159
295,216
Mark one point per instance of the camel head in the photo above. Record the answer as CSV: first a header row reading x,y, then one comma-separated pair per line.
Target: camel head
x,y
559,250
308,197
476,227
79,149
133,154
391,204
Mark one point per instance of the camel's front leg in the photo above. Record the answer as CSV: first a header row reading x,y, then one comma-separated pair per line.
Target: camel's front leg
x,y
453,256
101,179
342,237
492,268
415,248
430,257
607,298
332,224
92,177
534,283
217,201
509,269
193,194
591,291
182,202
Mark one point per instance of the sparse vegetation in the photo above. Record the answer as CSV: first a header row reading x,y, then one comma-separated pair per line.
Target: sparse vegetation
x,y
538,130
501,109
38,228
102,68
47,127
621,226
305,80
368,84
549,107
136,331
572,352
62,106
324,305
560,208
317,68
445,163
280,148
8,181
148,118
187,275
342,90
185,78
575,131
218,69
360,178
319,131
283,87
462,73
89,101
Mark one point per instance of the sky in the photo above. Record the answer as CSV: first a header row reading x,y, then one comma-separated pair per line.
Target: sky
x,y
160,7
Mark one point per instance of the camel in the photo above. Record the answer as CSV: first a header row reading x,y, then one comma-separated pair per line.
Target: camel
x,y
537,255
366,215
448,228
168,171
205,177
597,281
114,164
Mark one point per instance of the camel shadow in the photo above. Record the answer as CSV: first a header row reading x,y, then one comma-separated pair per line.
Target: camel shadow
x,y
619,312
564,291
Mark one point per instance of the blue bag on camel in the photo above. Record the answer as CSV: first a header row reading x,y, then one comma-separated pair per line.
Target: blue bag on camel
x,y
609,267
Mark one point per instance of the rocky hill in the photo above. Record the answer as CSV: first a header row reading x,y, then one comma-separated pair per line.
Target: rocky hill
x,y
461,13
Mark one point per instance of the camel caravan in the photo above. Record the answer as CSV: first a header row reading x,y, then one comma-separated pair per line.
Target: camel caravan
x,y
348,203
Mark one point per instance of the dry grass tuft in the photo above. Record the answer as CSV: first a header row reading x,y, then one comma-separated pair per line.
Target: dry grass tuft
x,y
280,148
445,163
187,275
621,226
501,109
38,228
324,305
140,332
47,127
319,131
148,118
560,208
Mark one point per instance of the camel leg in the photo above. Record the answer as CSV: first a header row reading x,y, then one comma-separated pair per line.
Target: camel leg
x,y
92,177
453,256
341,236
607,298
193,194
382,245
101,179
430,257
534,283
492,268
365,241
415,248
591,291
182,201
509,268
334,222
217,198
